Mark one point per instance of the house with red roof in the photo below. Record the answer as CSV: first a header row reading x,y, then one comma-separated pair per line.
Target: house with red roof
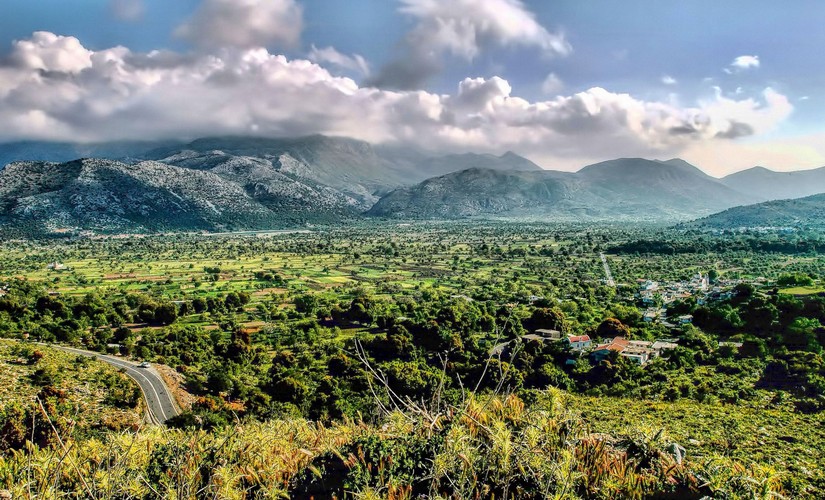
x,y
579,342
627,348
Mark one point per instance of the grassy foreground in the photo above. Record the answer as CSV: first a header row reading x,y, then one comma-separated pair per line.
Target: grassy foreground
x,y
483,447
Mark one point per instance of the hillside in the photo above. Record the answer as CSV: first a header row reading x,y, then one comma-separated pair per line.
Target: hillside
x,y
347,165
477,191
221,183
442,165
356,169
802,212
487,447
630,188
769,185
98,395
108,196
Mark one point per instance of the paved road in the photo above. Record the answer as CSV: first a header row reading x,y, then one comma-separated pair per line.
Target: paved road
x,y
160,401
607,273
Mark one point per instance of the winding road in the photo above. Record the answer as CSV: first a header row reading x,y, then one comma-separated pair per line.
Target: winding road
x,y
159,399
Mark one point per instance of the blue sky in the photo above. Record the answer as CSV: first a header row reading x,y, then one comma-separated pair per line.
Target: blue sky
x,y
562,82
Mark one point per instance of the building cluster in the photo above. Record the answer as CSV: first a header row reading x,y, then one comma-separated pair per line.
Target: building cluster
x,y
653,292
699,287
656,296
640,351
577,343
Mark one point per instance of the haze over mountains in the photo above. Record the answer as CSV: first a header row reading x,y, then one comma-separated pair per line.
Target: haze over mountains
x,y
231,183
627,188
771,185
807,212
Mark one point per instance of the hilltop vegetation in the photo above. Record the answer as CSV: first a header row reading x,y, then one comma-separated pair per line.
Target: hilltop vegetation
x,y
80,396
482,447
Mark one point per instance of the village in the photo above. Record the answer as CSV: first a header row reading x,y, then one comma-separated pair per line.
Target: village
x,y
653,298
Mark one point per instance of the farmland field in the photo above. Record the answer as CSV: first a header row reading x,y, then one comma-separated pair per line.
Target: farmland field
x,y
342,325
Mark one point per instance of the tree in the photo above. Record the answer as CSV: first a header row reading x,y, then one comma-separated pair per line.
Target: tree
x,y
219,381
166,314
306,303
146,312
795,279
199,305
802,335
547,318
612,327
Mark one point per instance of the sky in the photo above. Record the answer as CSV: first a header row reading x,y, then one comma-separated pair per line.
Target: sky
x,y
725,85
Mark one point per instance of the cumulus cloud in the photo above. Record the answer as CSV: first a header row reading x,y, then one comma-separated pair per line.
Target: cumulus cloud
x,y
53,88
669,80
733,116
552,84
462,28
50,52
742,63
243,24
329,55
127,10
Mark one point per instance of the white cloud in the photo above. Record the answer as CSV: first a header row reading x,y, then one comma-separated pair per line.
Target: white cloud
x,y
742,63
53,88
47,51
669,80
243,23
759,116
127,10
462,28
552,84
328,55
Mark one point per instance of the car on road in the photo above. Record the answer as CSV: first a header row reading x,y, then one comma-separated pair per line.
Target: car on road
x,y
144,364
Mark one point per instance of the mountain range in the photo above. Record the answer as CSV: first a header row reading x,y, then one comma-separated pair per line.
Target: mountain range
x,y
770,185
807,212
230,183
627,188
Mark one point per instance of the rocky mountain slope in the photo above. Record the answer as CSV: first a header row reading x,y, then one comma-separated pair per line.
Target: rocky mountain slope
x,y
347,165
109,196
353,167
629,188
213,183
250,183
479,191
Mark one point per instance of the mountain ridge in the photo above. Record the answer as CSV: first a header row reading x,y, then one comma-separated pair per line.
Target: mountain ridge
x,y
772,185
286,181
790,213
625,188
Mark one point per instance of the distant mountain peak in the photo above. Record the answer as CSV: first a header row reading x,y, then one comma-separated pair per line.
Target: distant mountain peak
x,y
625,188
767,184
